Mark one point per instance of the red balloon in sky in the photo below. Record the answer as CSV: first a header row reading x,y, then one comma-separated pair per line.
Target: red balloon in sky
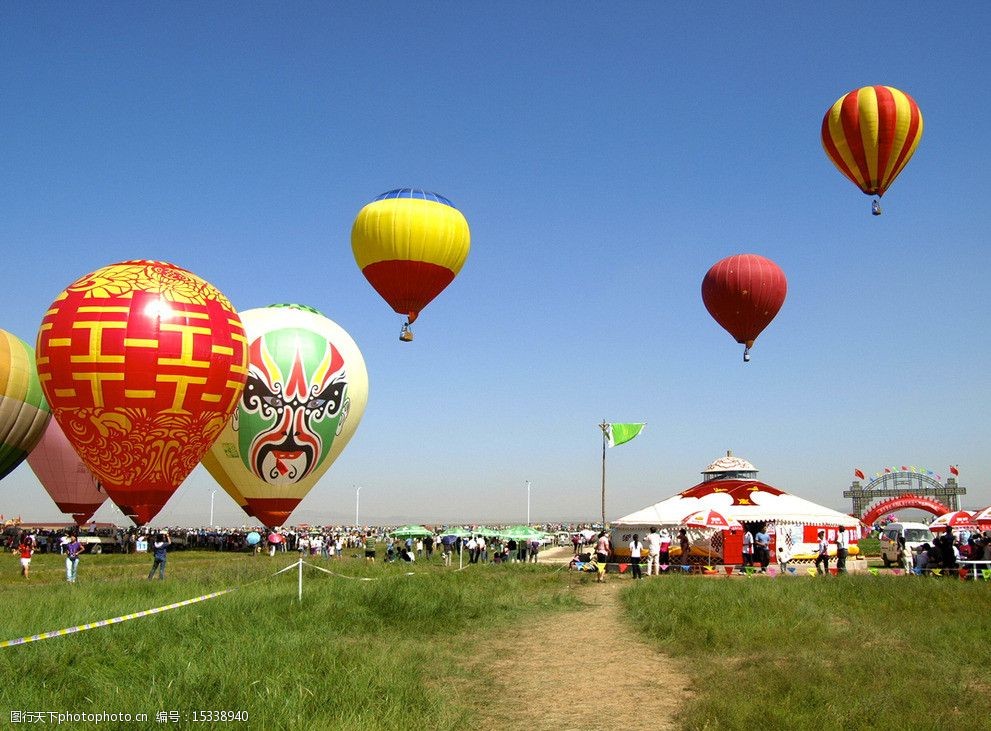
x,y
743,293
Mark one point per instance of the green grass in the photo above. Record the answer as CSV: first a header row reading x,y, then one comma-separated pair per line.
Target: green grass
x,y
398,652
869,546
847,652
350,657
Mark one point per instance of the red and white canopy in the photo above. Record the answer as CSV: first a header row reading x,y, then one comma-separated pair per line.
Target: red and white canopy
x,y
956,519
983,517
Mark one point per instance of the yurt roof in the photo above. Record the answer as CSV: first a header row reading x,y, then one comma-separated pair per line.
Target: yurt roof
x,y
743,500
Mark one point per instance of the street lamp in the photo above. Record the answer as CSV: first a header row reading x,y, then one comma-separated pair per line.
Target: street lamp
x,y
212,494
528,503
357,496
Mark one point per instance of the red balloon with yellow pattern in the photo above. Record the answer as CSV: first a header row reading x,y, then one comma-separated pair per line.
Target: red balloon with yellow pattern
x,y
142,363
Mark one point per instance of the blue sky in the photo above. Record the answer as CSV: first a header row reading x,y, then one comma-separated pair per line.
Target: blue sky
x,y
605,156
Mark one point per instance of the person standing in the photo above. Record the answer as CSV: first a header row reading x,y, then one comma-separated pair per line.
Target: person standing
x,y
472,547
905,554
602,551
72,550
842,549
159,549
945,543
685,546
784,557
653,552
26,548
822,554
748,548
665,555
636,551
763,554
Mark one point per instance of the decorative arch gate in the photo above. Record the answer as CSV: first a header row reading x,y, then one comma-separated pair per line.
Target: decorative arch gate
x,y
908,490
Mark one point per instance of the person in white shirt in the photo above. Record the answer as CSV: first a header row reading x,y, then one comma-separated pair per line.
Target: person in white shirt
x,y
842,549
748,548
784,556
472,547
653,552
636,550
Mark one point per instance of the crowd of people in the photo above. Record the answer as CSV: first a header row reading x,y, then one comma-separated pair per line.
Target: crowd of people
x,y
946,550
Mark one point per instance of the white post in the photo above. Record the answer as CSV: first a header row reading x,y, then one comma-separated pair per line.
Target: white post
x,y
357,497
300,579
528,503
212,494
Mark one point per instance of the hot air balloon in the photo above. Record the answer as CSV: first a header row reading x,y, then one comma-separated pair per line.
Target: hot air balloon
x,y
64,476
410,245
743,293
870,135
306,392
143,363
24,412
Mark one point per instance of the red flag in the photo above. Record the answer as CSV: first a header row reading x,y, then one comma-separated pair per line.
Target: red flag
x,y
860,474
954,470
904,468
887,470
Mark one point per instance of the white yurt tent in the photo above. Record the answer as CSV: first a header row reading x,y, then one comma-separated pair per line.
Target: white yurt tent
x,y
730,487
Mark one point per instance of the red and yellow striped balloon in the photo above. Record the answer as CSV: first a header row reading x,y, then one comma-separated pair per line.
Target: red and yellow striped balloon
x,y
870,135
410,244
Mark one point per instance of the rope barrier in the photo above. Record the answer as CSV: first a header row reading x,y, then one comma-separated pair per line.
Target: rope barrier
x,y
115,620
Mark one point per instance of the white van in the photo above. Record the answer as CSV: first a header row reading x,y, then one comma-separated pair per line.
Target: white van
x,y
915,535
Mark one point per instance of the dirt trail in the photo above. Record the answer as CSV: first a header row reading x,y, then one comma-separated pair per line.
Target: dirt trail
x,y
545,672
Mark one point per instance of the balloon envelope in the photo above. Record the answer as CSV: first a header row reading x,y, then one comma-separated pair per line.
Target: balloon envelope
x,y
24,412
143,363
64,476
410,244
305,395
870,134
743,293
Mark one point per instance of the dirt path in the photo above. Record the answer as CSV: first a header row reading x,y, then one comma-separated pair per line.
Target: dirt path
x,y
544,672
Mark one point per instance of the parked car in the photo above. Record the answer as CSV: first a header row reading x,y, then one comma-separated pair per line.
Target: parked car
x,y
915,535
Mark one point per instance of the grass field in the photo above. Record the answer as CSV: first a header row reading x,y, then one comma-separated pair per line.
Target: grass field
x,y
389,653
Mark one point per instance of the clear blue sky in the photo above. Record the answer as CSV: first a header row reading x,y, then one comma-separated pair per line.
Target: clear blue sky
x,y
605,155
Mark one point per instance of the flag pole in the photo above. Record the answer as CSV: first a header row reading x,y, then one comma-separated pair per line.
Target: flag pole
x,y
603,426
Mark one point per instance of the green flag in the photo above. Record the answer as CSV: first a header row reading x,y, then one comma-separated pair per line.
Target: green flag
x,y
622,433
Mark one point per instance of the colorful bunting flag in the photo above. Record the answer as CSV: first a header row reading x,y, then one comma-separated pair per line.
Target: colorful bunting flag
x,y
896,572
812,571
873,571
986,573
729,570
954,471
937,572
860,474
